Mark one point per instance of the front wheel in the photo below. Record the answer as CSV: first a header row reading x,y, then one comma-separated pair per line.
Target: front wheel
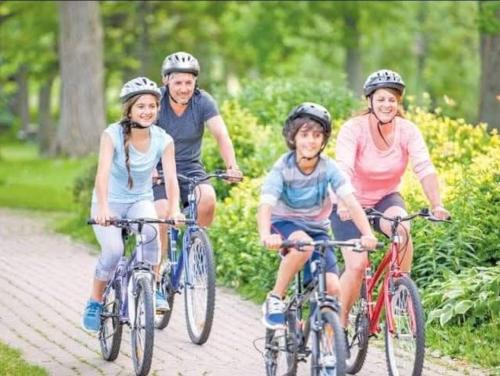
x,y
143,327
405,345
357,333
328,345
200,287
110,334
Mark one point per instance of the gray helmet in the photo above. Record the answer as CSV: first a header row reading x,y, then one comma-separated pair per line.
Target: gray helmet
x,y
180,62
139,85
310,110
383,78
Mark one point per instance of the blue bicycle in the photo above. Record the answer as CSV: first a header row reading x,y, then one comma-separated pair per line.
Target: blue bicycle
x,y
128,299
195,262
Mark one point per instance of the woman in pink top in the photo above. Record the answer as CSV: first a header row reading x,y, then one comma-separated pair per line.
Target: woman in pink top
x,y
374,149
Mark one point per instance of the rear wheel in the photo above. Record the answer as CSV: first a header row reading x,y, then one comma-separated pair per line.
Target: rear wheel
x,y
110,334
328,346
199,288
162,318
405,346
143,327
357,337
281,348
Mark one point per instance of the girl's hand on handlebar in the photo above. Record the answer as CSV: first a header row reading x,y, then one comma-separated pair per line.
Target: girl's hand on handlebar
x,y
368,241
103,216
272,241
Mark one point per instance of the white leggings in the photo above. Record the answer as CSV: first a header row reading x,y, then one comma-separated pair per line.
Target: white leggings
x,y
110,238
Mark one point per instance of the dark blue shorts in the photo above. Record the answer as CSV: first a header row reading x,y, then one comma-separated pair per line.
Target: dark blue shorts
x,y
192,170
346,230
286,228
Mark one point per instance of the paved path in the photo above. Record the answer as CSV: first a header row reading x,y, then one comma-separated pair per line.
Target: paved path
x,y
44,283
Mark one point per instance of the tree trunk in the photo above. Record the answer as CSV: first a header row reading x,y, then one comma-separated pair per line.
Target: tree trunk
x,y
144,10
421,47
353,55
22,101
489,105
47,129
82,96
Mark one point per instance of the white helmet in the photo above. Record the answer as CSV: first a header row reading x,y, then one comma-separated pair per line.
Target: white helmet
x,y
139,85
180,62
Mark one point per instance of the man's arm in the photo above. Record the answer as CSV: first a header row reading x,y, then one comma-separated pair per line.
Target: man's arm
x,y
218,128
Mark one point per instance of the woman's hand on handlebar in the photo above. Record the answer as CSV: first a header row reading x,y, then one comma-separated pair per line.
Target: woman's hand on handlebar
x,y
440,212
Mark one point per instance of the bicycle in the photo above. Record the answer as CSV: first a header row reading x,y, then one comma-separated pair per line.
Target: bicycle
x,y
404,330
327,347
128,299
195,261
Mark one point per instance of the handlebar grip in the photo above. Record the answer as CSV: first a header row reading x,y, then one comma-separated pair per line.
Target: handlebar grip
x,y
91,221
380,245
287,244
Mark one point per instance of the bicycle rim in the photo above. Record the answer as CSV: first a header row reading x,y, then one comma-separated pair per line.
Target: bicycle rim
x,y
357,337
110,334
405,346
200,288
143,328
328,346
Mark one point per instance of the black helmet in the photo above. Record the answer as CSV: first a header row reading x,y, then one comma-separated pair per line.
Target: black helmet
x,y
139,85
180,62
383,78
310,110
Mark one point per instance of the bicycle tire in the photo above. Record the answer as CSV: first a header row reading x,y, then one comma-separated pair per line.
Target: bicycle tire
x,y
110,334
358,333
328,346
142,333
280,355
199,292
408,314
162,318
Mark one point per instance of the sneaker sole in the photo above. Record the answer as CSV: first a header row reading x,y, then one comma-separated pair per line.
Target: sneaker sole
x,y
90,331
269,325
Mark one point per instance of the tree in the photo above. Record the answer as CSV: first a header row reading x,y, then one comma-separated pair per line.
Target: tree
x,y
82,96
489,98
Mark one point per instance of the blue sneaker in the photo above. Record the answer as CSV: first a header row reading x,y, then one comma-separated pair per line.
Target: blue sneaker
x,y
91,320
273,310
161,302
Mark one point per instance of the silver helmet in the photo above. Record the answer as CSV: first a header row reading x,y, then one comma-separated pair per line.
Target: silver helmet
x,y
139,85
180,62
383,78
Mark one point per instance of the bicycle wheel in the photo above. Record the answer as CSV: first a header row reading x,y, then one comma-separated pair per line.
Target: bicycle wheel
x,y
405,346
281,348
110,334
143,327
162,318
357,337
200,288
328,346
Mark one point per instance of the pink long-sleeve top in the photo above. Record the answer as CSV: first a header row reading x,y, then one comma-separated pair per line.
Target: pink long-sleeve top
x,y
375,173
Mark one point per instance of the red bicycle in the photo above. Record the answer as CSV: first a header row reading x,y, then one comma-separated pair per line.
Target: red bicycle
x,y
404,316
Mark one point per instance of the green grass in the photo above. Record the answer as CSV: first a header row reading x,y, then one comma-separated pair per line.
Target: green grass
x,y
475,344
12,364
30,182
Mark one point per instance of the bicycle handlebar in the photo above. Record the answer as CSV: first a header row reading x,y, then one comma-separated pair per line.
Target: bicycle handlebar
x,y
356,246
219,174
425,213
123,222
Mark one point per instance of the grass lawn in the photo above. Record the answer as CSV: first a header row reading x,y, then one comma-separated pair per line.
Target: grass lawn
x,y
12,364
30,182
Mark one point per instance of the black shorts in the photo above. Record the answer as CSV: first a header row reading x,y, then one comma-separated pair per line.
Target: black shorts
x,y
346,230
192,170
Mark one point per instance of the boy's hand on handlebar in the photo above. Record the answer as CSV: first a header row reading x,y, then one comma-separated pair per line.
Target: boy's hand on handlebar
x,y
272,241
368,241
440,212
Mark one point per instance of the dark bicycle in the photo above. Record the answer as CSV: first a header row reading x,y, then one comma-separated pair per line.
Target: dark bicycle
x,y
398,296
128,299
320,334
195,261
